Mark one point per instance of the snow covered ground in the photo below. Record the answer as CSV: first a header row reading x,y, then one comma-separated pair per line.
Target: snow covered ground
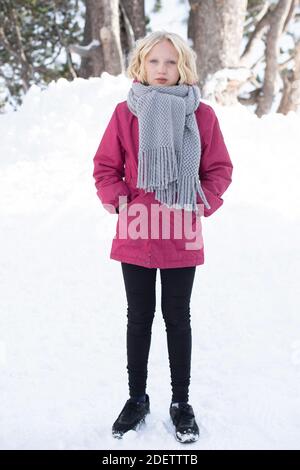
x,y
63,375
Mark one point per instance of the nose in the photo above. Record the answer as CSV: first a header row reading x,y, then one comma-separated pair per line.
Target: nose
x,y
162,68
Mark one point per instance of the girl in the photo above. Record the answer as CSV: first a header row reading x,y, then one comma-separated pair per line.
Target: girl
x,y
169,148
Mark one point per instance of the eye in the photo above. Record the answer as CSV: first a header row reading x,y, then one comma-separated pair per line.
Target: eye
x,y
170,61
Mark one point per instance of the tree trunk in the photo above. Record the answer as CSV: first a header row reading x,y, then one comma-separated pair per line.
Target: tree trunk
x,y
102,47
132,25
135,12
277,24
216,29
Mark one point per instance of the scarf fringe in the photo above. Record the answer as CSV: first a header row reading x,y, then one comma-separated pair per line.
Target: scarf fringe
x,y
186,188
201,194
157,167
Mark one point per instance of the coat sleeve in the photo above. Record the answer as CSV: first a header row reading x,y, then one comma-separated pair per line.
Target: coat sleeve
x,y
215,165
109,167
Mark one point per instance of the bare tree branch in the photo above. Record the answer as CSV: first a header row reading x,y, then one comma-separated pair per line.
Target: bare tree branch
x,y
64,44
277,21
259,30
290,100
26,68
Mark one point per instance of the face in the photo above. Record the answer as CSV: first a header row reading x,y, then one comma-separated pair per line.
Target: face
x,y
161,62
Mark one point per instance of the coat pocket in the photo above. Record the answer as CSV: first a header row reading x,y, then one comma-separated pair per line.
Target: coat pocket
x,y
135,196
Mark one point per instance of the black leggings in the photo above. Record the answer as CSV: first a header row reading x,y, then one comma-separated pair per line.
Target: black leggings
x,y
176,289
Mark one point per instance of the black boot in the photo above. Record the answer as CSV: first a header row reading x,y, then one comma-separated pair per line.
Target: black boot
x,y
183,418
132,414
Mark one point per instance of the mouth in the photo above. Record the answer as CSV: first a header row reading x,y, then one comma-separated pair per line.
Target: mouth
x,y
161,80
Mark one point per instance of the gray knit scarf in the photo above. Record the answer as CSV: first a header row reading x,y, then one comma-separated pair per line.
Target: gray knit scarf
x,y
169,142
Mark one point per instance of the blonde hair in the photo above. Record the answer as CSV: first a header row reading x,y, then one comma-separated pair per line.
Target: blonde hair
x,y
186,61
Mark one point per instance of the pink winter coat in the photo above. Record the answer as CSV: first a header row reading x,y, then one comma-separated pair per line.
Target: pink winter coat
x,y
115,174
